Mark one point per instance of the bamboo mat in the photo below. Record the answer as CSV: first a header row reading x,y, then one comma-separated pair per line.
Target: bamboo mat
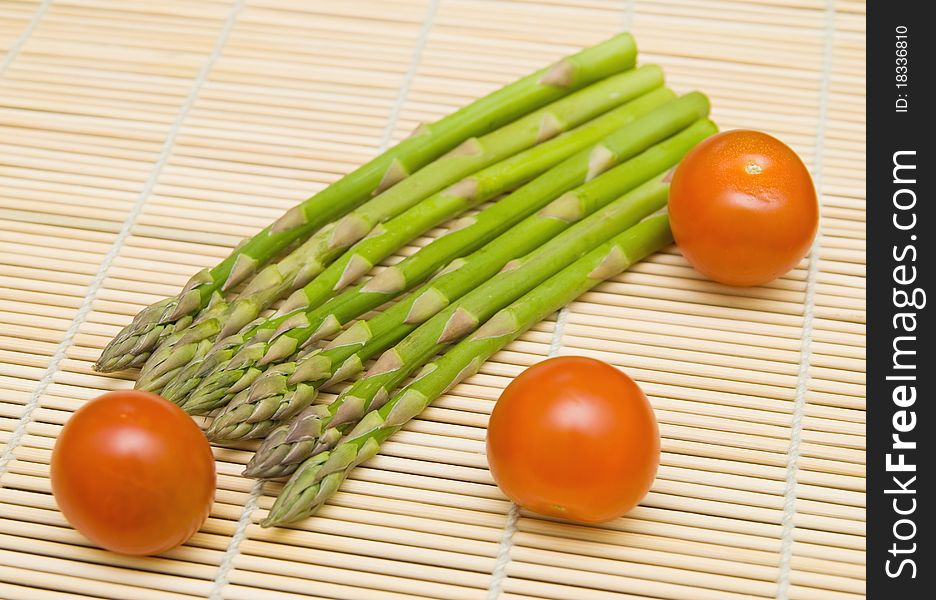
x,y
140,141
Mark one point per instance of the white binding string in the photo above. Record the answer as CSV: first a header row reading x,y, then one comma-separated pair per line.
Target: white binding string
x,y
628,23
802,380
499,574
240,534
400,100
233,548
559,331
17,45
91,293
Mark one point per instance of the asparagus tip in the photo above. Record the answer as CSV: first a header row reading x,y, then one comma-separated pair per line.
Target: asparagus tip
x,y
267,523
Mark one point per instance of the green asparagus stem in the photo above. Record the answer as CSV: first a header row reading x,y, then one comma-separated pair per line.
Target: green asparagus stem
x,y
272,399
134,343
479,187
233,367
320,476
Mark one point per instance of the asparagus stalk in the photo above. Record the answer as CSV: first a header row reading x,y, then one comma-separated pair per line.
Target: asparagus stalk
x,y
135,342
233,367
273,398
479,187
320,476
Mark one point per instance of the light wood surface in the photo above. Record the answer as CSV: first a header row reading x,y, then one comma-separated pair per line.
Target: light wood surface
x,y
141,140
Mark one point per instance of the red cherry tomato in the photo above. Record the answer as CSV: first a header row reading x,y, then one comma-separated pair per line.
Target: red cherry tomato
x,y
743,208
133,473
575,438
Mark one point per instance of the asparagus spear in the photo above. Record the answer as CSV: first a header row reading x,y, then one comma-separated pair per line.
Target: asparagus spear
x,y
273,398
233,367
386,239
319,477
133,344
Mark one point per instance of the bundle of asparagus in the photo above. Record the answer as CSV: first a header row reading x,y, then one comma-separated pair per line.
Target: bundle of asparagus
x,y
579,149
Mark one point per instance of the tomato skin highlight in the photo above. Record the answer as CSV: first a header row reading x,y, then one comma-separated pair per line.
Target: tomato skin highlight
x,y
575,438
743,208
133,473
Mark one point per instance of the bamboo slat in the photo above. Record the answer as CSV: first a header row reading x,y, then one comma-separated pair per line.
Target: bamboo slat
x,y
140,141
